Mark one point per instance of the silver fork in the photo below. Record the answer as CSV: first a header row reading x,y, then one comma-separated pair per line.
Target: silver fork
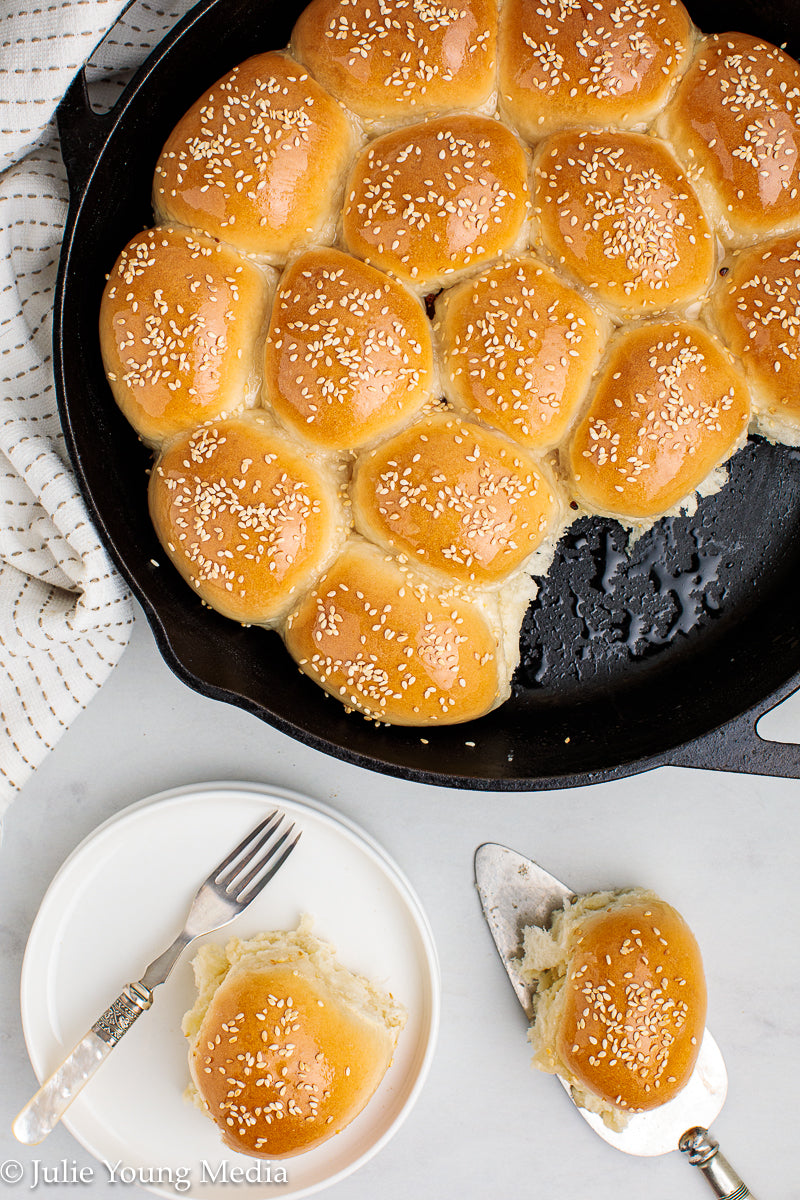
x,y
230,887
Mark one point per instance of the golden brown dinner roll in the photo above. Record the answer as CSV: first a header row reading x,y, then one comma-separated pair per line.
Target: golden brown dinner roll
x,y
245,516
456,498
668,407
735,124
757,309
286,1045
563,63
621,1001
180,323
519,347
349,354
389,61
258,160
430,200
617,212
389,644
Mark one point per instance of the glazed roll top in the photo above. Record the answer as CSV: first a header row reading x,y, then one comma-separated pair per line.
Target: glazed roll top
x,y
616,211
621,1003
455,498
757,308
735,124
181,321
429,201
248,520
349,354
519,349
408,59
393,646
286,1044
258,160
564,64
668,407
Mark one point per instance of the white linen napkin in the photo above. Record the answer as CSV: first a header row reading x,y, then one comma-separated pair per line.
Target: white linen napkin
x,y
65,615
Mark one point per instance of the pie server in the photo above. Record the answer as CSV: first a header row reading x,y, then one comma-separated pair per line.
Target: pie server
x,y
515,892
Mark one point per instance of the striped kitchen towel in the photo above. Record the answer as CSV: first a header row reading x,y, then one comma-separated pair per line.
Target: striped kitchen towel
x,y
65,615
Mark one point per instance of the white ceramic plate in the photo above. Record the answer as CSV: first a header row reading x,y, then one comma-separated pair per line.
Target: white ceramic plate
x,y
119,900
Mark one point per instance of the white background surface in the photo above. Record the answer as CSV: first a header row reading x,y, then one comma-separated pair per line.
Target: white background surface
x,y
723,849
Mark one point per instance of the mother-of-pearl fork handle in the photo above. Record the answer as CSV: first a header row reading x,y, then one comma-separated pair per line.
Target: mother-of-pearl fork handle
x,y
43,1112
703,1152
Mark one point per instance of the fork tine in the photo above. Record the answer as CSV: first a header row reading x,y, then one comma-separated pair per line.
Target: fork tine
x,y
239,884
249,845
256,887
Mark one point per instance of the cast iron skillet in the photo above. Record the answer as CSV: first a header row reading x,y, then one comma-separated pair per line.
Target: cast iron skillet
x,y
667,657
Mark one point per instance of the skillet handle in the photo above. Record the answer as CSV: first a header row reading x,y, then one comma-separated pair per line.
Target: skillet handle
x,y
82,132
703,1151
736,746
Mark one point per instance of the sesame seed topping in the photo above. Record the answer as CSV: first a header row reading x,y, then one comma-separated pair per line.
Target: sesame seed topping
x,y
464,501
264,128
750,92
348,353
419,215
401,56
621,215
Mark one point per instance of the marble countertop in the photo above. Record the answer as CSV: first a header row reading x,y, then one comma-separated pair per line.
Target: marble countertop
x,y
722,848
